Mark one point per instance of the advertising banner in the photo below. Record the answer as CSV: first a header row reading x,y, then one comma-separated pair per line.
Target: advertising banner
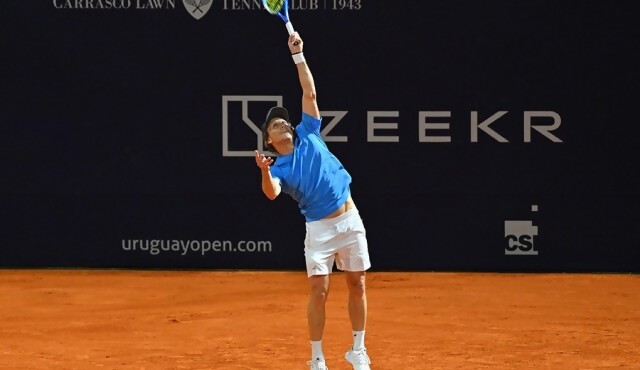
x,y
480,135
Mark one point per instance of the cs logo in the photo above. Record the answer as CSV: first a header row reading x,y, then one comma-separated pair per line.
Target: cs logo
x,y
519,237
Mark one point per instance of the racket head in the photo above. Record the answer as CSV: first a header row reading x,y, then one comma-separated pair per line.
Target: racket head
x,y
277,7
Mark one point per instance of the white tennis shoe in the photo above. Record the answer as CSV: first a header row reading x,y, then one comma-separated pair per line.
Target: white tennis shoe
x,y
358,359
317,365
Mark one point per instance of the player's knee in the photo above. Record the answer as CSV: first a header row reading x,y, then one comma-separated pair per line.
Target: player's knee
x,y
318,296
356,285
319,290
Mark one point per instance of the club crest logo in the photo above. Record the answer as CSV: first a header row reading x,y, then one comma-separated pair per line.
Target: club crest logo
x,y
197,8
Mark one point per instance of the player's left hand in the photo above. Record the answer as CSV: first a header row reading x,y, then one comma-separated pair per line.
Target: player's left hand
x,y
263,161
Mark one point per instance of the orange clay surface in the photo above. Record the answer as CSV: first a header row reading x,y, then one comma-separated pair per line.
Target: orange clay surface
x,y
123,319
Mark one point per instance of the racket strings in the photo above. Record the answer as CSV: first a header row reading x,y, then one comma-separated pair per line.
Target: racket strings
x,y
273,6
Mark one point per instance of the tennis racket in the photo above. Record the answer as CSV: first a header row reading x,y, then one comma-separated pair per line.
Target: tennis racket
x,y
281,9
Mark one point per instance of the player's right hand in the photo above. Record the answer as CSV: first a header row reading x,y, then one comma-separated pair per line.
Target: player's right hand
x,y
263,161
295,43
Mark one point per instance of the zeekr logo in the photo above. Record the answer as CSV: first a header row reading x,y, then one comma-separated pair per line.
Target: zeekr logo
x,y
520,236
242,116
239,120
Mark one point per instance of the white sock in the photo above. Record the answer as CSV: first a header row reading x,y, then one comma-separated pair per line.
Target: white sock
x,y
358,340
316,350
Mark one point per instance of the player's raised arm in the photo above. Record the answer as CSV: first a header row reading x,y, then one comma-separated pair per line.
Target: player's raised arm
x,y
309,103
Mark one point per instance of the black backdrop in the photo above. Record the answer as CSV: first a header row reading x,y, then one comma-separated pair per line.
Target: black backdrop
x,y
125,133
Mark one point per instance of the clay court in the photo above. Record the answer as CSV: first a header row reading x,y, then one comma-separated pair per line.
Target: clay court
x,y
120,319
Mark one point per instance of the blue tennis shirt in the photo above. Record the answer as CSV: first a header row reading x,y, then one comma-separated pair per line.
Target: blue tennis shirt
x,y
312,175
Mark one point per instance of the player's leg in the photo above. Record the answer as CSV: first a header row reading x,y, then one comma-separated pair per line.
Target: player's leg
x,y
357,299
353,259
357,355
318,293
319,265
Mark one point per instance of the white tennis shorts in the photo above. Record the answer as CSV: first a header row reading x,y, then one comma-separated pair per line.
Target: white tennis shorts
x,y
341,239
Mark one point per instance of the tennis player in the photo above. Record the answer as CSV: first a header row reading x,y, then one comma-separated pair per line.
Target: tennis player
x,y
306,170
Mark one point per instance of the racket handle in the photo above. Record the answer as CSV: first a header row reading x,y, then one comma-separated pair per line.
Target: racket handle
x,y
289,28
291,31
